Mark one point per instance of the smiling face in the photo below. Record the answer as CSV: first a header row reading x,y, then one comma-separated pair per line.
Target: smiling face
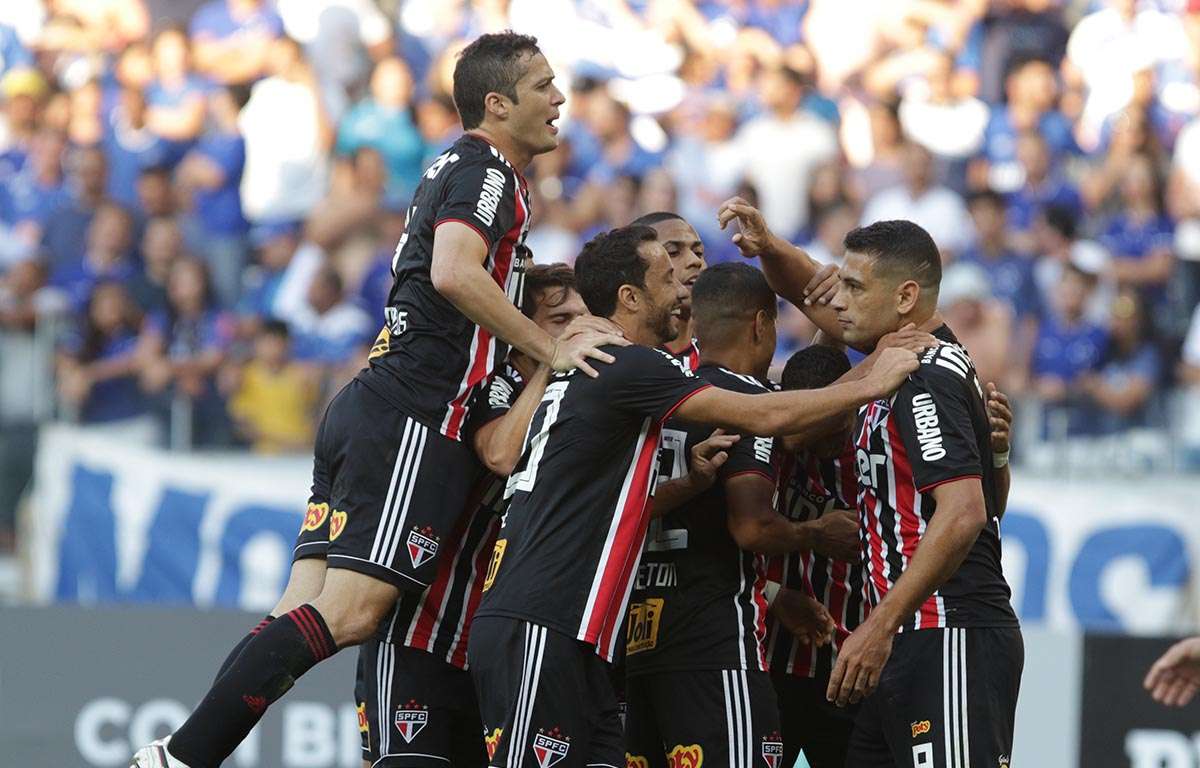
x,y
663,294
686,253
531,117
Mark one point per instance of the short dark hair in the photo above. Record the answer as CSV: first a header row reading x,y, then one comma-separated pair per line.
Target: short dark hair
x,y
729,291
814,367
276,327
546,277
608,261
491,64
900,247
658,217
987,196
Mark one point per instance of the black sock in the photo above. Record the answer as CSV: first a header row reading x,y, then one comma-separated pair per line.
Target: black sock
x,y
237,649
268,665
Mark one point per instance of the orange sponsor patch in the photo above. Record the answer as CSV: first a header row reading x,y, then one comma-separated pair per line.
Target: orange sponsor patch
x,y
492,740
314,516
337,524
636,761
685,756
920,728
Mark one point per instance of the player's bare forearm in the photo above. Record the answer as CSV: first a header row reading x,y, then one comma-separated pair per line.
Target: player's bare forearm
x,y
672,494
961,515
499,443
753,521
789,269
775,413
457,273
1003,484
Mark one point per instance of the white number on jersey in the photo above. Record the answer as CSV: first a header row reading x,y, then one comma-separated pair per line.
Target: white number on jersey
x,y
536,445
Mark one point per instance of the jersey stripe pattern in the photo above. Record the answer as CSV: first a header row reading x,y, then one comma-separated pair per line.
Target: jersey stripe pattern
x,y
933,430
430,359
689,355
572,537
438,620
813,487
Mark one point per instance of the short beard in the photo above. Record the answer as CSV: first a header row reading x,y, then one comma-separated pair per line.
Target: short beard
x,y
662,326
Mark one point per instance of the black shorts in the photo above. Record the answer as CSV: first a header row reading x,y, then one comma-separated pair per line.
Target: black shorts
x,y
386,490
415,710
712,717
544,695
812,723
943,692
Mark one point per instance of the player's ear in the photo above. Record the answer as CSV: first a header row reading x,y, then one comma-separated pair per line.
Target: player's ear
x,y
496,104
762,322
629,297
908,295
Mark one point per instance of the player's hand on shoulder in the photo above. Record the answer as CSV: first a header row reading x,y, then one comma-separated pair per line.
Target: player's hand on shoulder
x,y
1000,417
823,286
803,616
891,369
708,456
860,663
753,235
837,536
1174,679
908,338
581,341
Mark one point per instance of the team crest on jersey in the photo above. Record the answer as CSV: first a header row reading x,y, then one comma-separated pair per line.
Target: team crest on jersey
x,y
920,728
314,516
550,746
772,749
411,719
422,545
492,740
337,524
685,756
636,761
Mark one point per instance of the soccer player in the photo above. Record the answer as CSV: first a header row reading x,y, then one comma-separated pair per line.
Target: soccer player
x,y
416,699
686,251
391,472
557,589
937,662
697,613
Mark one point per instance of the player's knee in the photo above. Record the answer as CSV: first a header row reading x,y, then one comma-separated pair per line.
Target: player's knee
x,y
353,605
305,582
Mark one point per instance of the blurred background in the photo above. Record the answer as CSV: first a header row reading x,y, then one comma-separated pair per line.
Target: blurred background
x,y
198,205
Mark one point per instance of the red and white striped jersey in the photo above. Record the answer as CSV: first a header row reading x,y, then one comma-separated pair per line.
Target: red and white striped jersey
x,y
572,537
689,355
430,359
438,620
933,430
812,487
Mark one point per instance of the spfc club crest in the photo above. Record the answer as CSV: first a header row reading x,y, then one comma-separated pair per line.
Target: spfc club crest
x,y
549,747
422,545
410,719
772,750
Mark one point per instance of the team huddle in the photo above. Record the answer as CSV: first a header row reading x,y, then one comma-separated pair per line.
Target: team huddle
x,y
569,520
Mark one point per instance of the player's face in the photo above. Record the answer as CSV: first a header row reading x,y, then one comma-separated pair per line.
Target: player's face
x,y
686,253
531,118
555,312
663,292
865,303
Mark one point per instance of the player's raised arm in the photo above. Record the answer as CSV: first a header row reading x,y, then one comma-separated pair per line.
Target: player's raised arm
x,y
789,413
790,271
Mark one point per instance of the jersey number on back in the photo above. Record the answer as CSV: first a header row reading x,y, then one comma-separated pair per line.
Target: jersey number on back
x,y
536,445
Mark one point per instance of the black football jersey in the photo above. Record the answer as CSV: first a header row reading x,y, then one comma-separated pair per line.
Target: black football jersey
x,y
812,487
570,543
429,359
438,620
933,430
689,355
698,600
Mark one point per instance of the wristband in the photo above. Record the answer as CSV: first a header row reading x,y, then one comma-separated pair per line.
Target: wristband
x,y
1000,460
770,590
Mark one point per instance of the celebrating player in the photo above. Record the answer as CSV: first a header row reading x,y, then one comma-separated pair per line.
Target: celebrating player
x,y
696,617
391,472
686,252
417,700
559,582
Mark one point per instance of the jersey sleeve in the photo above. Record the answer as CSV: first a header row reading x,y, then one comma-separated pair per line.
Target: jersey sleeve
x,y
751,454
649,382
494,400
933,415
480,193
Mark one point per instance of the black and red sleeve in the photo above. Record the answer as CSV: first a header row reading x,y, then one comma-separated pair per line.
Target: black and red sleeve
x,y
482,194
932,422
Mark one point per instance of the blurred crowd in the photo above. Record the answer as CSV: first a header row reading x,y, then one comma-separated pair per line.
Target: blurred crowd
x,y
199,199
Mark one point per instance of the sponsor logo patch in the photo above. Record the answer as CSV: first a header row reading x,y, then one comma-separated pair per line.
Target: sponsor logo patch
x,y
636,761
337,524
363,726
772,749
685,756
920,728
411,719
314,516
422,545
492,740
549,747
489,196
494,565
929,434
642,634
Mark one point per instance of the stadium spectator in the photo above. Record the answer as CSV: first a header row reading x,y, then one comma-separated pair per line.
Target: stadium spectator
x,y
211,174
88,26
1009,273
233,39
184,348
1018,31
25,92
130,146
384,122
13,53
1121,391
273,405
982,323
162,246
936,208
64,236
1042,184
276,244
705,163
1140,237
175,98
948,124
1031,93
107,255
98,362
330,330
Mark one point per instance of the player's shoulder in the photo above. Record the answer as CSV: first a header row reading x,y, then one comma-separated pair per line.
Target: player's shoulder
x,y
727,379
640,356
945,362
